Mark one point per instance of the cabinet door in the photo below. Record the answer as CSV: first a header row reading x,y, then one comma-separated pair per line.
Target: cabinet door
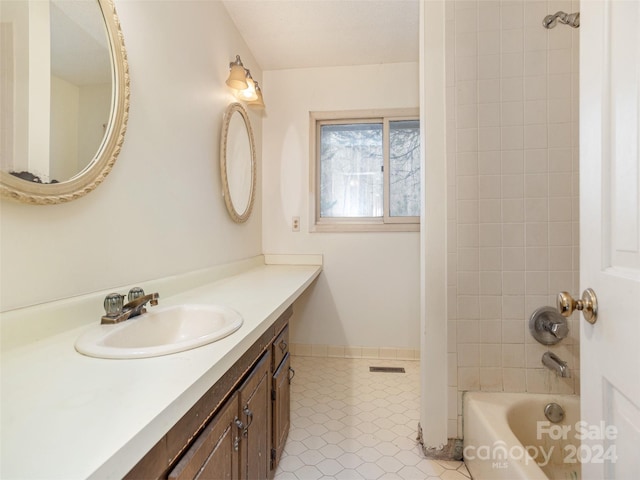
x,y
255,401
281,410
214,455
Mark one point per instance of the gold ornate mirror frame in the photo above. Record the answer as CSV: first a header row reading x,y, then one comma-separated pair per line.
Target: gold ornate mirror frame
x,y
234,170
14,188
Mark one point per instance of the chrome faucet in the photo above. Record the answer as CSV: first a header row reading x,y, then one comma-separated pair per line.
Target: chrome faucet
x,y
553,362
556,326
116,312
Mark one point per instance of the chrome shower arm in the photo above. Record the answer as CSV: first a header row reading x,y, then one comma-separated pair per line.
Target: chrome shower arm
x,y
571,19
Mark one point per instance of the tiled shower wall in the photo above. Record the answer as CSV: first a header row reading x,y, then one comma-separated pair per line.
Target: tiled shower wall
x,y
512,127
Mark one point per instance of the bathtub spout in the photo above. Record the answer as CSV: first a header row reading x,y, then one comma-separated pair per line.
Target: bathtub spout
x,y
553,362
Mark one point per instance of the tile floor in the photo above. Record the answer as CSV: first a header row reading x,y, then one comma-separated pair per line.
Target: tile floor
x,y
348,424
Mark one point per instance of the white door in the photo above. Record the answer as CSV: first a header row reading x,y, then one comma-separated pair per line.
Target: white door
x,y
610,236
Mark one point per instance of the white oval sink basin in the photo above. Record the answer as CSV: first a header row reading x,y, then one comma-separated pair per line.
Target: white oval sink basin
x,y
160,331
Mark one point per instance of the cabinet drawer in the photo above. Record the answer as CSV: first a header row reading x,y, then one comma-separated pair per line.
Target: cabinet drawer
x,y
280,347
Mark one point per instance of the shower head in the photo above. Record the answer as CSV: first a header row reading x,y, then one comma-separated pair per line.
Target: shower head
x,y
571,19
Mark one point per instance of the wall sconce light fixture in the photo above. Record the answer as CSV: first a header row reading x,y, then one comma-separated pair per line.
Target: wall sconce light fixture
x,y
245,87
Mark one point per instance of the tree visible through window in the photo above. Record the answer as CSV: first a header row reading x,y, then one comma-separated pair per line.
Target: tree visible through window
x,y
404,169
351,164
369,170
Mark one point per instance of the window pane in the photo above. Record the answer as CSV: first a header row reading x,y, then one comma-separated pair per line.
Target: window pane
x,y
351,170
404,171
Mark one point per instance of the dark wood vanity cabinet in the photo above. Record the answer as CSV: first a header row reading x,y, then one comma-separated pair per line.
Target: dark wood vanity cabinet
x,y
238,428
280,396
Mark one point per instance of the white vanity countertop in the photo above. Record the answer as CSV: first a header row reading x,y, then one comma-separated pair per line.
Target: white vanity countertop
x,y
68,416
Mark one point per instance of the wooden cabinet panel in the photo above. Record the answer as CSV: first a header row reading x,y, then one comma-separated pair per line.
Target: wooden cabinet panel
x,y
255,402
214,455
280,347
281,410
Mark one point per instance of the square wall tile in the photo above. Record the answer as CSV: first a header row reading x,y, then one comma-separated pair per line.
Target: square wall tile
x,y
512,137
469,355
490,259
513,39
490,283
513,355
535,63
488,116
512,64
513,235
491,379
512,162
489,90
488,64
467,116
536,185
490,234
467,163
468,378
514,380
488,42
537,234
513,258
489,163
489,186
512,186
513,306
512,113
536,210
513,283
535,160
489,211
468,331
512,89
490,306
513,210
468,259
467,211
513,332
537,259
491,333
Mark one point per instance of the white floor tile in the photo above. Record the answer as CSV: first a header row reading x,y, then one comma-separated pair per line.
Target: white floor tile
x,y
348,423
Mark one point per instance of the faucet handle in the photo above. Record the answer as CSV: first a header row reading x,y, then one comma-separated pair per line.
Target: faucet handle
x,y
557,328
135,292
113,304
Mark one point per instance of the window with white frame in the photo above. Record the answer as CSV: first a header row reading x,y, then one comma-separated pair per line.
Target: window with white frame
x,y
366,168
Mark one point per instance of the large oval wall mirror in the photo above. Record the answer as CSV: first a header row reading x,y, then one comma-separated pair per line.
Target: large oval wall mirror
x,y
238,163
64,94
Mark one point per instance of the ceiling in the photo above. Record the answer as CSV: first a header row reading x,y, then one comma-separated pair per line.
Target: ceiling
x,y
285,34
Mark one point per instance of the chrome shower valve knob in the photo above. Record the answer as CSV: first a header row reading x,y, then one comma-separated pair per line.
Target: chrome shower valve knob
x,y
588,305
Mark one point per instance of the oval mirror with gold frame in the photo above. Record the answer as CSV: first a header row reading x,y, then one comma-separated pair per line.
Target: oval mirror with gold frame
x,y
67,23
238,163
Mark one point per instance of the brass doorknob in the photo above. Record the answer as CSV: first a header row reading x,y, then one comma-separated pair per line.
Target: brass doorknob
x,y
588,305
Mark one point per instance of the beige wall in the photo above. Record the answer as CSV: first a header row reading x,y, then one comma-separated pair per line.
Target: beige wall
x,y
160,212
513,192
368,294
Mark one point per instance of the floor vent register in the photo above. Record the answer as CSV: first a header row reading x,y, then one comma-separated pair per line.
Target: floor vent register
x,y
387,369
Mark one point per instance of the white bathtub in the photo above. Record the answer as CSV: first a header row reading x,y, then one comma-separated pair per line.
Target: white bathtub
x,y
507,436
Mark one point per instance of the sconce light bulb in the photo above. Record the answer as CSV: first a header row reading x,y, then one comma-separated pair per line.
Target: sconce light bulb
x,y
248,94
